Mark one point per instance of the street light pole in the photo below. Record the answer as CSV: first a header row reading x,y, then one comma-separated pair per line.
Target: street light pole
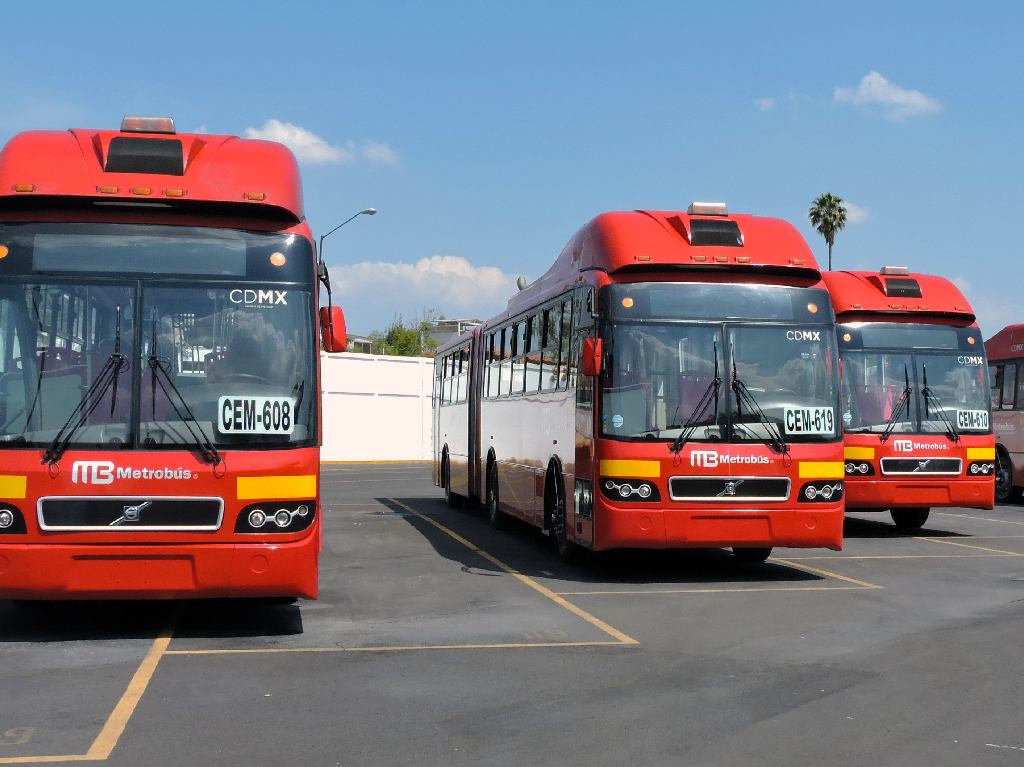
x,y
366,211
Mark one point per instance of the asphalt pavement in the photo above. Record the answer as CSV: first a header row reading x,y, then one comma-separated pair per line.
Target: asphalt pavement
x,y
439,641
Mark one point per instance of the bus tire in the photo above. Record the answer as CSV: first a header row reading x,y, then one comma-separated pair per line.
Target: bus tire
x,y
451,500
750,556
910,518
568,551
499,521
1005,491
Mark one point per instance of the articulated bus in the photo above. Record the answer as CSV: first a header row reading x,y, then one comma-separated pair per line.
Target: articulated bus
x,y
1006,372
672,381
159,415
915,401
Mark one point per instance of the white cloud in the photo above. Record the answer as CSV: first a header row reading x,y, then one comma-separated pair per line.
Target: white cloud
x,y
307,146
374,292
896,103
375,151
855,214
765,104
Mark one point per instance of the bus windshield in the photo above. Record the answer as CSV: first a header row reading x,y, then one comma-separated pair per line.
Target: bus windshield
x,y
660,371
225,351
881,360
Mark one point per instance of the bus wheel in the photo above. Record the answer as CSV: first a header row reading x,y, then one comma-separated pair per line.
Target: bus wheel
x,y
751,556
452,501
909,519
498,519
1005,491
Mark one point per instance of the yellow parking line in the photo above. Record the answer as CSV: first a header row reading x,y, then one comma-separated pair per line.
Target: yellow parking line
x,y
525,579
968,546
901,556
980,519
392,648
826,573
654,592
106,741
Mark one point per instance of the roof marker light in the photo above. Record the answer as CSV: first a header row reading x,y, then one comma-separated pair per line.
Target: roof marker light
x,y
139,124
796,261
255,196
141,190
24,187
742,259
721,259
707,209
894,270
700,259
643,258
108,189
174,192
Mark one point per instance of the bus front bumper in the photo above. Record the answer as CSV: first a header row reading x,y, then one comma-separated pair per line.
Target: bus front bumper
x,y
891,493
54,571
819,525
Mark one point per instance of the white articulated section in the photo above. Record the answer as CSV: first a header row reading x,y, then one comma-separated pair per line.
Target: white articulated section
x,y
376,408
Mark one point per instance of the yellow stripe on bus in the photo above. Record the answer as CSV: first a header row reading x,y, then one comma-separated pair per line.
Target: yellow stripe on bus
x,y
250,488
859,453
638,469
821,470
981,453
12,486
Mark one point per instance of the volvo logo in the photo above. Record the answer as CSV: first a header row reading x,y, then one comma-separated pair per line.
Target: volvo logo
x,y
922,465
730,487
131,513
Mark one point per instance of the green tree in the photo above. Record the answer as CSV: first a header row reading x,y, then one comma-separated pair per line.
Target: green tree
x,y
401,340
828,216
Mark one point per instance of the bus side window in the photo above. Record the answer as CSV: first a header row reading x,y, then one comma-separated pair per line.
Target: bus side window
x,y
464,374
564,345
1009,388
995,379
507,345
1019,405
549,363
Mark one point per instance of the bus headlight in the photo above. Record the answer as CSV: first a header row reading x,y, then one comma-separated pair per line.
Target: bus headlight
x,y
632,490
821,492
984,468
257,518
11,520
290,517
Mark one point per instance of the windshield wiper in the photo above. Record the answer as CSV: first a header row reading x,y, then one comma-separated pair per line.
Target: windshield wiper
x,y
159,375
710,395
901,403
101,384
951,431
745,398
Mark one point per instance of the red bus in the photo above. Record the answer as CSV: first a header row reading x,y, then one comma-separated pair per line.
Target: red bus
x,y
915,395
671,381
1006,373
159,415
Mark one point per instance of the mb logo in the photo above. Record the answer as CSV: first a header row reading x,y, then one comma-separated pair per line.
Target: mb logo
x,y
92,472
903,445
707,459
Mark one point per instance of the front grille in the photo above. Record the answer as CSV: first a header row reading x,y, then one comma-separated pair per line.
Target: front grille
x,y
922,466
129,513
726,489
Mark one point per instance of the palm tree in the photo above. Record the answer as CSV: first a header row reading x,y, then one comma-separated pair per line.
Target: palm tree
x,y
828,216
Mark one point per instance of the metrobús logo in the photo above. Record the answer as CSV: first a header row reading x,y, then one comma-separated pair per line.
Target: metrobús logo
x,y
105,472
909,446
709,459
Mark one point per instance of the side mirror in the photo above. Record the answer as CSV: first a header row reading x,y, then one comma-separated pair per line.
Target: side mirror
x,y
592,351
332,329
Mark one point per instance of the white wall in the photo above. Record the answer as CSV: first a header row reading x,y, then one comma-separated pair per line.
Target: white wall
x,y
376,408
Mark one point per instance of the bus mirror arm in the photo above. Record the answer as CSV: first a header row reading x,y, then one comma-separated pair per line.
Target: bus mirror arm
x,y
332,329
592,350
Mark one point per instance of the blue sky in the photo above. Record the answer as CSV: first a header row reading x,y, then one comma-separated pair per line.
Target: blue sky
x,y
487,133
